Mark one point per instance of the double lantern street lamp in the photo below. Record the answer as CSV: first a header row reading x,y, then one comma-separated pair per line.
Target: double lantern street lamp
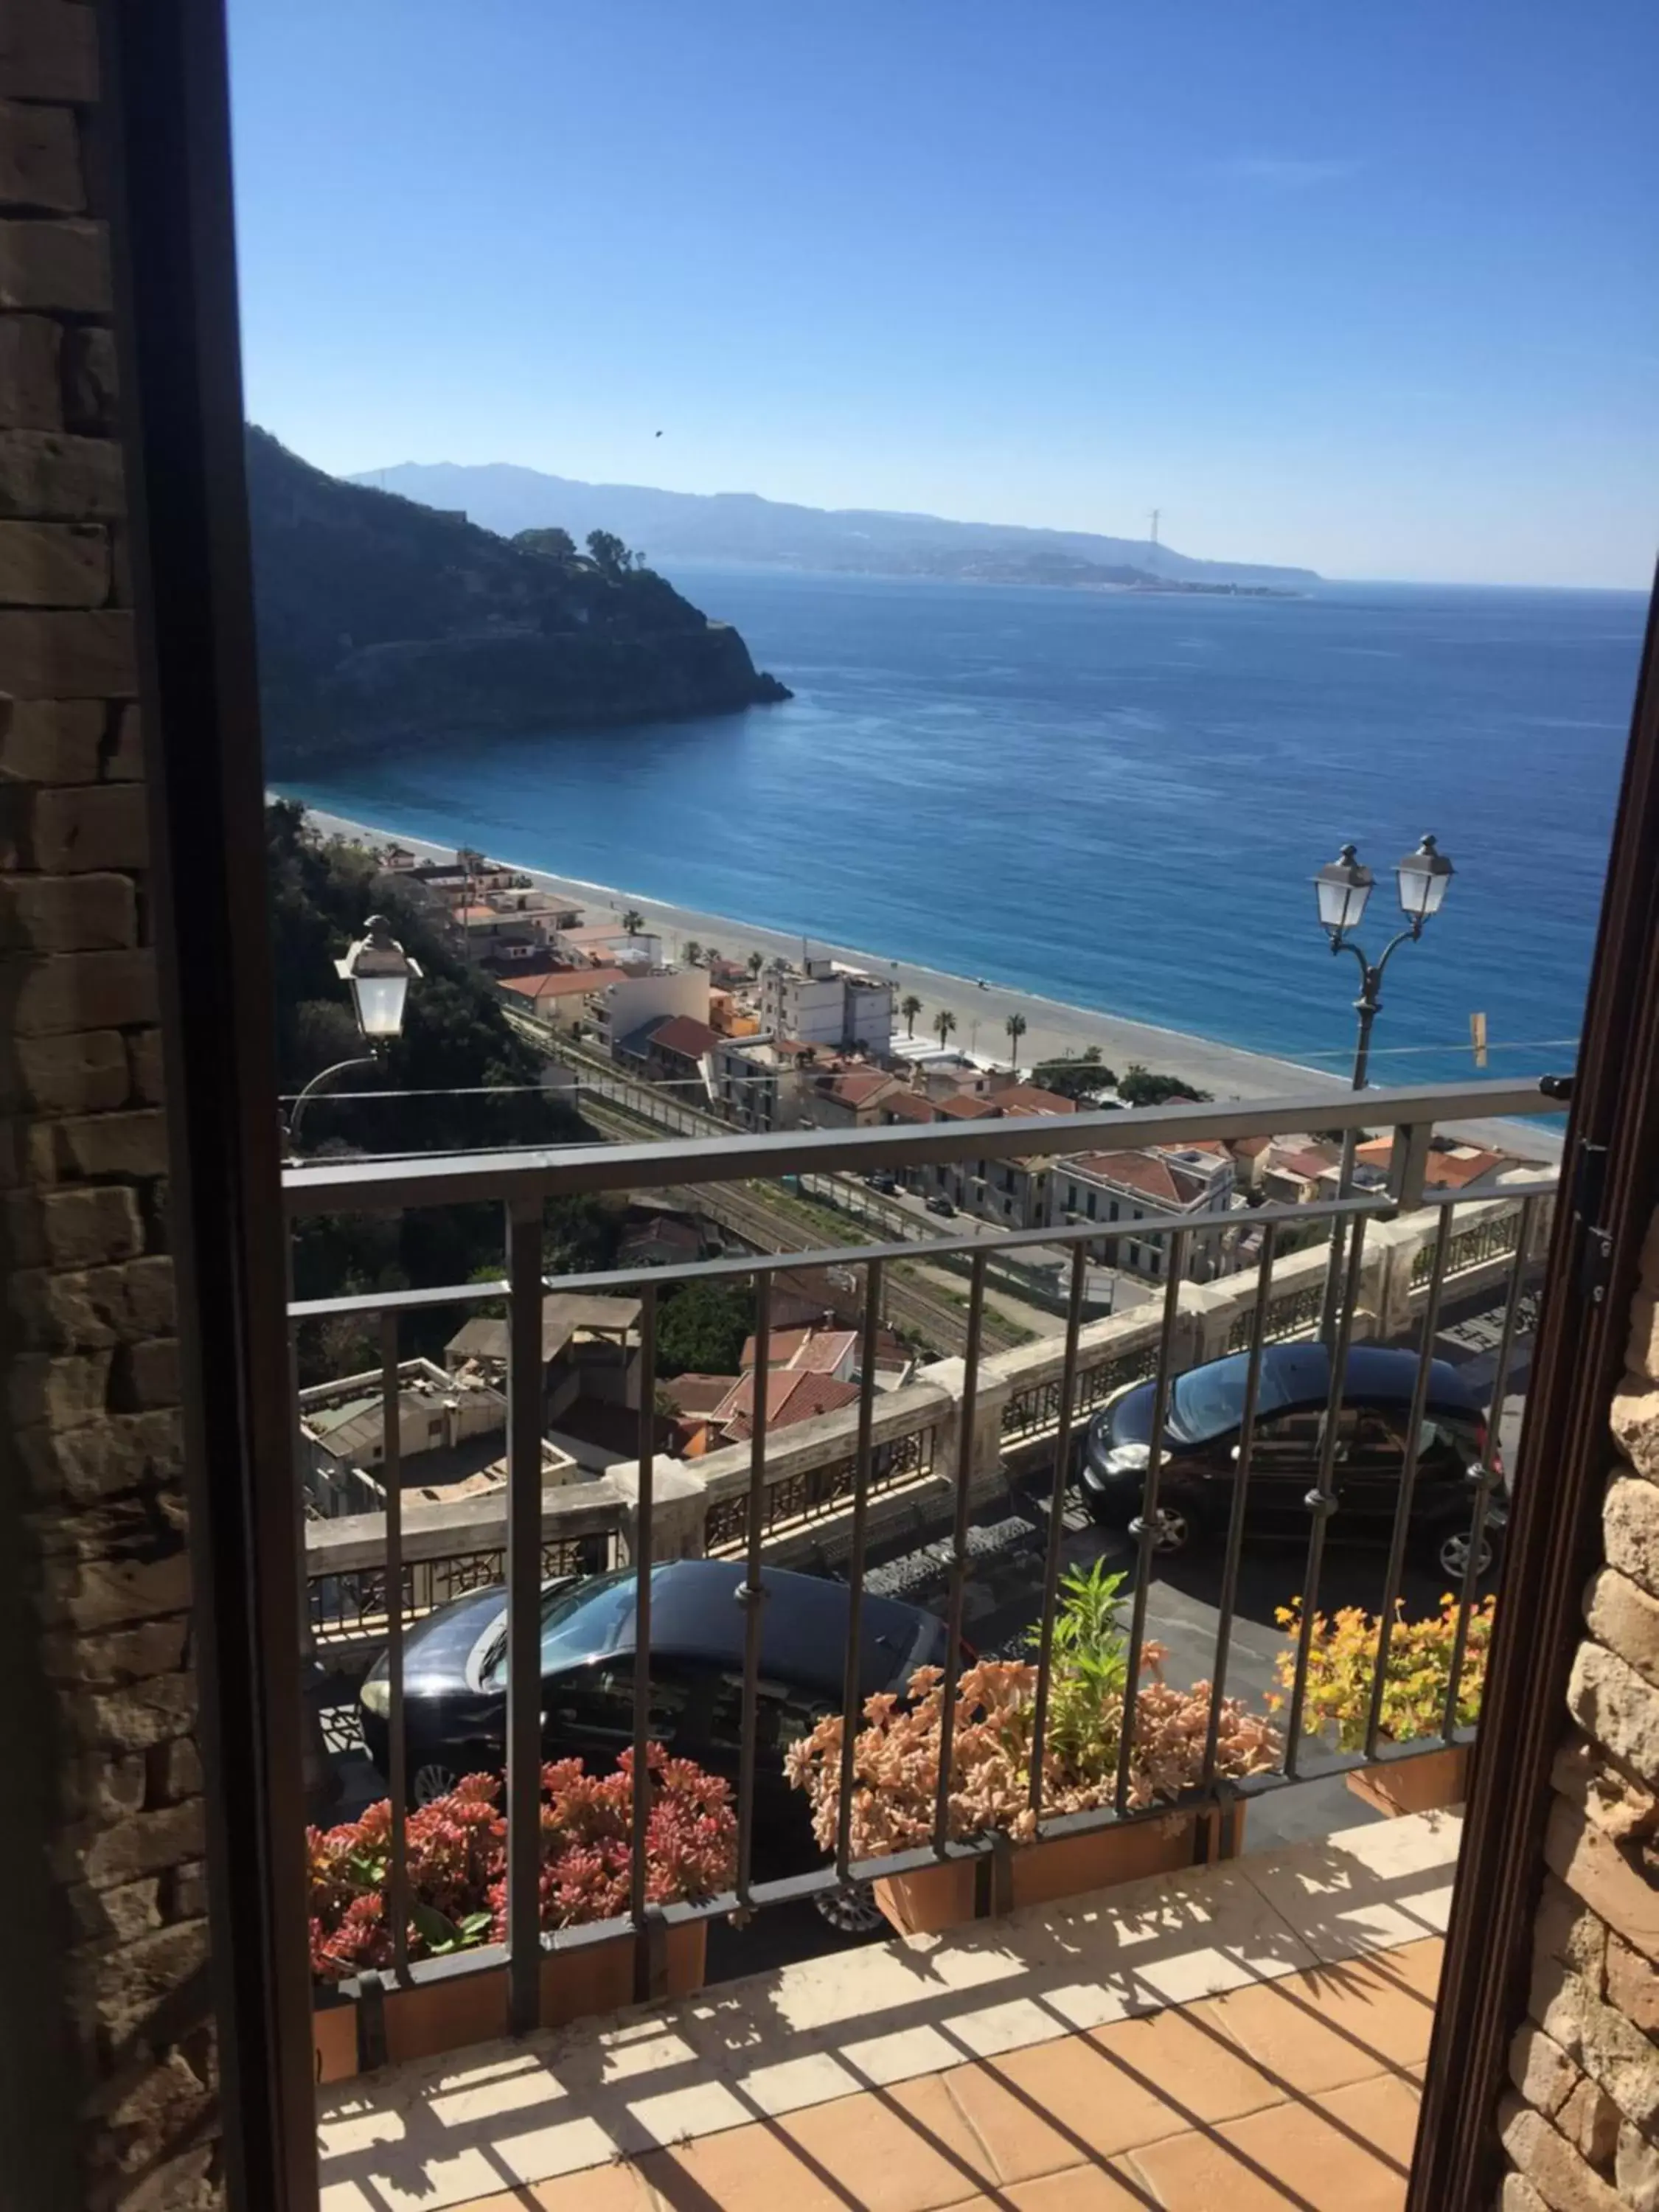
x,y
378,971
1343,885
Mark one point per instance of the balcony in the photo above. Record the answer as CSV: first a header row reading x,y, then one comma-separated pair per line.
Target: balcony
x,y
1249,2027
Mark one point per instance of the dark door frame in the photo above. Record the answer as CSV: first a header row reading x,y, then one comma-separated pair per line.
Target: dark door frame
x,y
1610,1185
166,115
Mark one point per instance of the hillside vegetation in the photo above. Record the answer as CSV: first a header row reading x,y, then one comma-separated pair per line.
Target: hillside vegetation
x,y
380,619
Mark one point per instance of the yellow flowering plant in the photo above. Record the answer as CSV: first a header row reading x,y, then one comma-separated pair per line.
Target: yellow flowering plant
x,y
1342,1667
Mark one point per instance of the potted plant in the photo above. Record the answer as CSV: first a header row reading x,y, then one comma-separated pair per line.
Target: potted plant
x,y
895,1764
456,1856
1341,1670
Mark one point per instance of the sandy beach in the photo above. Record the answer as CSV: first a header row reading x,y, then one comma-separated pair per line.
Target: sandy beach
x,y
1053,1029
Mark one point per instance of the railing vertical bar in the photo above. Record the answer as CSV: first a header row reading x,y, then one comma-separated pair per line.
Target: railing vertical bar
x,y
1057,1518
966,1418
1487,1475
1402,1535
1321,1500
851,1703
1146,1527
524,1579
1224,1632
644,1549
397,1754
753,1592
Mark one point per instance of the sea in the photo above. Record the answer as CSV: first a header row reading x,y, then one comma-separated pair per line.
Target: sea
x,y
1110,799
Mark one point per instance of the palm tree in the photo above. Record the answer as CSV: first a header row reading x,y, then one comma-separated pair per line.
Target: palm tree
x,y
910,1007
693,951
944,1023
714,956
756,962
1015,1026
633,922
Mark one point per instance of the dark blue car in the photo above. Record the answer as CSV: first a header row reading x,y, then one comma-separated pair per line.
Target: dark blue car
x,y
1200,1453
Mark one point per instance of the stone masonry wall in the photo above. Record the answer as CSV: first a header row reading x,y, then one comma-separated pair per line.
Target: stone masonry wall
x,y
106,2052
1581,2130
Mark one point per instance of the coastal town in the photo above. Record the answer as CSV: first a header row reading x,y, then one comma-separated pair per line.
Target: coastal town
x,y
645,1036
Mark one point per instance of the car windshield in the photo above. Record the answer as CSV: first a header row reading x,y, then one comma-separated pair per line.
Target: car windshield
x,y
584,1623
1206,1401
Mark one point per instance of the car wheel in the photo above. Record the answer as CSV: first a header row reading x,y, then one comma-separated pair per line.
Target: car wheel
x,y
1451,1555
850,1911
432,1779
1175,1528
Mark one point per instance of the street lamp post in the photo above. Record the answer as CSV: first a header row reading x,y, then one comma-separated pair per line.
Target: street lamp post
x,y
1343,887
378,971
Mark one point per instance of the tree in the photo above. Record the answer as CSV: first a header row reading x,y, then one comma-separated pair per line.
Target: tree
x,y
557,545
459,1077
909,1006
610,555
714,956
944,1023
701,1329
1076,1079
1138,1086
1015,1026
756,962
633,922
693,951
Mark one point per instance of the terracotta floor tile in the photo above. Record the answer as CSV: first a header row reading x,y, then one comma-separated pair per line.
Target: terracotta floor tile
x,y
600,2189
1095,2095
1318,2031
1080,2189
1300,2155
907,2149
1417,1964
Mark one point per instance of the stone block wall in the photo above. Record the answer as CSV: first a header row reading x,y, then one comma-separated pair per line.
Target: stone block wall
x,y
106,2050
1581,2127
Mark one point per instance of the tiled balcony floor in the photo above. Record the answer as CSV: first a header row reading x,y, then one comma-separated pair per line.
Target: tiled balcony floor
x,y
1246,2037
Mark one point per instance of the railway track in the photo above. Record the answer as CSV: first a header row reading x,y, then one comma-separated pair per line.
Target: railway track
x,y
610,1105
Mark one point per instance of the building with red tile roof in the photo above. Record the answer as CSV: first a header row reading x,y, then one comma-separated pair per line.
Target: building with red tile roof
x,y
793,1395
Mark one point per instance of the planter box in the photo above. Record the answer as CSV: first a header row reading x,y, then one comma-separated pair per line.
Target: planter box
x,y
428,2018
1415,1785
945,1896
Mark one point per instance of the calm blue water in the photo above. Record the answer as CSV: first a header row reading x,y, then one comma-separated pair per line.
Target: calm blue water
x,y
1110,800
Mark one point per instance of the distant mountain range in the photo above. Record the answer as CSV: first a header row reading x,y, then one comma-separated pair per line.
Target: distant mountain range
x,y
677,525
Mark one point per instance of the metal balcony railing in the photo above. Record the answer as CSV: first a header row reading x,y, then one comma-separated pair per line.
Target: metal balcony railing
x,y
941,1439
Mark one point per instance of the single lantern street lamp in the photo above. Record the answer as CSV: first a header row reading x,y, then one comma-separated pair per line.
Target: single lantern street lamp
x,y
379,972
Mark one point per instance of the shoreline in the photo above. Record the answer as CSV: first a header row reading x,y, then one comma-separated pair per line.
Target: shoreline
x,y
1054,1027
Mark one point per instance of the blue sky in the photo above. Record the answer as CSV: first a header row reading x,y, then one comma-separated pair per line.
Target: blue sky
x,y
1376,288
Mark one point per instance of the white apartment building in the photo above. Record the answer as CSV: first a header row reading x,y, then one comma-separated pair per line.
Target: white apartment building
x,y
633,1001
1164,1184
823,1003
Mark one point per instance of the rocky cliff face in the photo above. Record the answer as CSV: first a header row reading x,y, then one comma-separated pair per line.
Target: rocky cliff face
x,y
379,619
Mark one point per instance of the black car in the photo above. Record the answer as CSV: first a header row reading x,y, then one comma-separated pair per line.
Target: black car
x,y
882,1180
1199,1458
455,1678
938,1204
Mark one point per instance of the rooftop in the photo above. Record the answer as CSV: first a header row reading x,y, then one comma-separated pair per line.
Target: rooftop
x,y
564,1315
793,1394
562,982
684,1034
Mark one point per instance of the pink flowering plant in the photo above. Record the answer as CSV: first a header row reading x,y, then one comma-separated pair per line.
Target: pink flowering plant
x,y
895,1754
457,1857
